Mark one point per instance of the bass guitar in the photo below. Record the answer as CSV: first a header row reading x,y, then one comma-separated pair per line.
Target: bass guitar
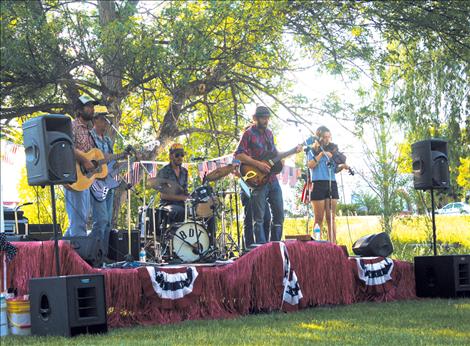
x,y
100,187
86,177
255,178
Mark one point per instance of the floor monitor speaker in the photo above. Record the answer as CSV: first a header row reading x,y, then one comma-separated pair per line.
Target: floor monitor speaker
x,y
68,305
442,276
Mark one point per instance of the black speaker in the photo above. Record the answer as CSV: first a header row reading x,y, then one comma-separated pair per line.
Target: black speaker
x,y
119,244
48,144
442,276
89,248
373,245
68,305
430,164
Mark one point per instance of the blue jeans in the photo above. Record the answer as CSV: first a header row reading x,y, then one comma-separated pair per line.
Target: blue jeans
x,y
102,214
248,220
77,205
272,193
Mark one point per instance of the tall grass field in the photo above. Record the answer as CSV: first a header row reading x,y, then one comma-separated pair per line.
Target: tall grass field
x,y
411,235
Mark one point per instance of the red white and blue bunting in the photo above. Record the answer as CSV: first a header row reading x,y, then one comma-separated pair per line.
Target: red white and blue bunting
x,y
291,293
175,285
374,271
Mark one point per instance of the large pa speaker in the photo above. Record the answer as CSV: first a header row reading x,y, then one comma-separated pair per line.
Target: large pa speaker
x,y
89,248
68,305
373,245
119,244
48,144
442,276
430,164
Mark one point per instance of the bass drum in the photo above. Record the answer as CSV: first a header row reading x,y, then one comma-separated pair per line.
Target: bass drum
x,y
190,241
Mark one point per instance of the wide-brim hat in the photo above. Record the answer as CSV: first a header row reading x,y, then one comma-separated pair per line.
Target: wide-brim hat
x,y
102,112
262,111
85,99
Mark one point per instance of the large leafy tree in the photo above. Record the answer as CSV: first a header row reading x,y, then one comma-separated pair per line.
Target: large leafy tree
x,y
421,50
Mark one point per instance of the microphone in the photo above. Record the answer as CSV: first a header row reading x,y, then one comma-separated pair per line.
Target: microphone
x,y
197,158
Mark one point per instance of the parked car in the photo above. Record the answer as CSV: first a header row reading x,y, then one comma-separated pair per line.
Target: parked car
x,y
455,208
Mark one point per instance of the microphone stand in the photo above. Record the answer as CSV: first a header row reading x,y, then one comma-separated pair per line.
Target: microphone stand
x,y
129,255
329,165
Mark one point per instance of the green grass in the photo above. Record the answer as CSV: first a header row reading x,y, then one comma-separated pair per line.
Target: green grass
x,y
418,322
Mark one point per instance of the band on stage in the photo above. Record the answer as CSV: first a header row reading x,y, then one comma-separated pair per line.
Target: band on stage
x,y
184,225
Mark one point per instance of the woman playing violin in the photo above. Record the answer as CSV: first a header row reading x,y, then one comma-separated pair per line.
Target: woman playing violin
x,y
324,160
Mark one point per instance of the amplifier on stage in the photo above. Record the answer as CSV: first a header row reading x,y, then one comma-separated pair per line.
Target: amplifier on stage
x,y
119,244
43,231
10,221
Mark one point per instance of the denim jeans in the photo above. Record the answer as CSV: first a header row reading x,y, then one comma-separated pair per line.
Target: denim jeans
x,y
272,193
102,214
77,205
248,220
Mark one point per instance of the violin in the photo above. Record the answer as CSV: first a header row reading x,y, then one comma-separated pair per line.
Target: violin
x,y
337,157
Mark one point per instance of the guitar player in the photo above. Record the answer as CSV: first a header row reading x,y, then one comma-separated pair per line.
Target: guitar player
x,y
77,203
102,211
257,142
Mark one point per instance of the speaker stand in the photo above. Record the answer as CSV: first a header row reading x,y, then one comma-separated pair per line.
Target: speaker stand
x,y
54,227
433,223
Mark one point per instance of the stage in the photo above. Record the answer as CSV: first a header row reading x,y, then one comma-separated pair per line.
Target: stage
x,y
277,276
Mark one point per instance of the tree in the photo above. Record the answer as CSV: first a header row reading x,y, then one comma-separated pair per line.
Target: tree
x,y
182,69
424,47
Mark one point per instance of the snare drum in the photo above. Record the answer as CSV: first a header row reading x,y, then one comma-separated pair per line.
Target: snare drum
x,y
190,241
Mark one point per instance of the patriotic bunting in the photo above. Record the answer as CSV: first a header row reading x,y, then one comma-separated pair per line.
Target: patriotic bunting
x,y
173,286
292,293
374,271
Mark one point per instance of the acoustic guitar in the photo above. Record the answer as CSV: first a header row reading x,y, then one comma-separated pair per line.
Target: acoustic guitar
x,y
86,177
255,178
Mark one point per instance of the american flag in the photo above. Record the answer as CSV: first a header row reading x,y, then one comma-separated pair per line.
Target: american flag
x,y
151,168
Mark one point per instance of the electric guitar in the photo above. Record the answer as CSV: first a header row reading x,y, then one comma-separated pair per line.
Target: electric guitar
x,y
86,177
100,187
255,178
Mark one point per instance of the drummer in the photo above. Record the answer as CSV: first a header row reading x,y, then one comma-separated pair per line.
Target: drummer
x,y
172,182
173,195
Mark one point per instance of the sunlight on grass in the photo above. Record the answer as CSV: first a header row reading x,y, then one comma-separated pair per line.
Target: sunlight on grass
x,y
451,333
462,306
311,326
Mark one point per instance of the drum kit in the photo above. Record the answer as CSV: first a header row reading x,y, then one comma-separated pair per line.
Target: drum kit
x,y
195,238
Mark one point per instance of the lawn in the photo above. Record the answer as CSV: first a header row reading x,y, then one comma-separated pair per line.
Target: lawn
x,y
418,322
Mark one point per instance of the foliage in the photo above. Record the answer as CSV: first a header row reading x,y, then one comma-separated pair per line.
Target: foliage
x,y
420,49
463,178
41,211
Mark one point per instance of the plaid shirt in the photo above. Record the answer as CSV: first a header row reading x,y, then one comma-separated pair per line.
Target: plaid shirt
x,y
81,136
257,144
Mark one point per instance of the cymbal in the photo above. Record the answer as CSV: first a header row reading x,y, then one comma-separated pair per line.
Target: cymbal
x,y
165,185
219,173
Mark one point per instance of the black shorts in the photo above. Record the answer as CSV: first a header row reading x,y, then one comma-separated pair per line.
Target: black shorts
x,y
321,190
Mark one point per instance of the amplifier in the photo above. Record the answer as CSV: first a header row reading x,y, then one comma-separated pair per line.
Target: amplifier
x,y
89,249
119,244
10,226
43,231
